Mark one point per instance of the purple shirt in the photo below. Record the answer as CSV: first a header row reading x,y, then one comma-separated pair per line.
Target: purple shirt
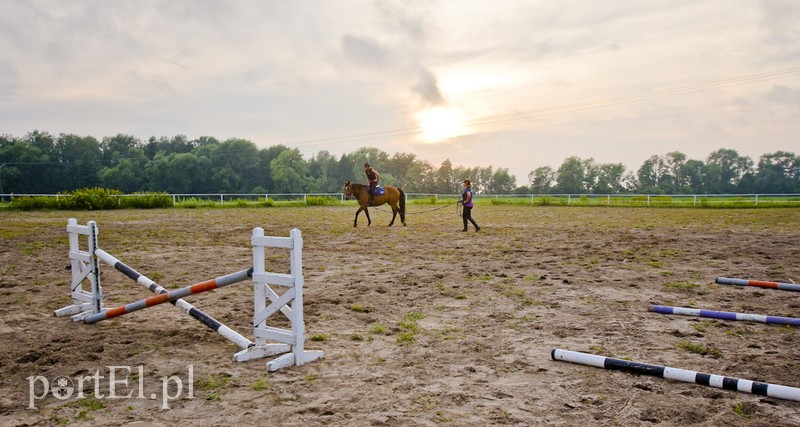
x,y
464,197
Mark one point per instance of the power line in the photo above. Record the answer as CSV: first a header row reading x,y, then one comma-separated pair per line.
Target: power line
x,y
569,108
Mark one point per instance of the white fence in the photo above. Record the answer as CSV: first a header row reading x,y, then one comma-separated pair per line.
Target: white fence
x,y
532,199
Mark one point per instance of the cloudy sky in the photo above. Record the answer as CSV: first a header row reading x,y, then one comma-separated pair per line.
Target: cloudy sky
x,y
514,84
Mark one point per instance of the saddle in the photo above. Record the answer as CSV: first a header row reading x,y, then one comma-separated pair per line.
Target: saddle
x,y
379,191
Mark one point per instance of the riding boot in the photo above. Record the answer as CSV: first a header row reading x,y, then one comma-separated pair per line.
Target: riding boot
x,y
465,225
475,224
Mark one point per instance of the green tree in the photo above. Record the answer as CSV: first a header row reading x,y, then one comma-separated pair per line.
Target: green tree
x,y
79,161
420,178
235,167
176,144
609,178
570,176
694,175
399,165
502,182
541,179
323,166
727,168
127,173
652,175
445,180
290,172
778,173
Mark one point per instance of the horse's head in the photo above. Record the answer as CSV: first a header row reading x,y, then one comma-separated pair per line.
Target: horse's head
x,y
348,190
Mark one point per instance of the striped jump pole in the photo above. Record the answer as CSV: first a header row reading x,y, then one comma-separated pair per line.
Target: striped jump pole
x,y
197,288
189,309
758,283
717,381
725,315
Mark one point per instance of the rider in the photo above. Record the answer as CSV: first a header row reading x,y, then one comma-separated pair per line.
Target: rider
x,y
372,176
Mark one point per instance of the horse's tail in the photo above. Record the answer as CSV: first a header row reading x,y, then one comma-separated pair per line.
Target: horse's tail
x,y
402,206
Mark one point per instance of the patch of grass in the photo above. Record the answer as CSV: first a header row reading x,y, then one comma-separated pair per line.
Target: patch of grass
x,y
668,253
320,337
700,349
30,248
450,291
744,411
213,381
358,308
92,404
261,384
426,400
311,377
413,316
406,338
409,325
597,349
214,396
738,332
681,286
356,337
702,326
448,332
380,329
440,417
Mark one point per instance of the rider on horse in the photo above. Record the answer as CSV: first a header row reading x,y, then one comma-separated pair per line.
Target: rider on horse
x,y
372,177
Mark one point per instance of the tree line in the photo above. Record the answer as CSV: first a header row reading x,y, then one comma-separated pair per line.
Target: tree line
x,y
41,163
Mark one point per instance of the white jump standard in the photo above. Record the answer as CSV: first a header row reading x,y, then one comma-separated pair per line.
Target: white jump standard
x,y
87,305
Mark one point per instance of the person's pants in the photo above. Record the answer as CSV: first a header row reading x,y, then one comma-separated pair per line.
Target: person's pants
x,y
372,186
467,216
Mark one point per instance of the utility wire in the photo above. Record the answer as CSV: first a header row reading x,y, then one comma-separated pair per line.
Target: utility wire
x,y
568,108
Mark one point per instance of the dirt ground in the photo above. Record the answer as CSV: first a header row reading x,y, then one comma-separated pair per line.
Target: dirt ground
x,y
420,325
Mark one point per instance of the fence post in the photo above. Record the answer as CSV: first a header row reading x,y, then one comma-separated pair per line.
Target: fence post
x,y
756,199
648,200
221,200
694,200
305,199
608,201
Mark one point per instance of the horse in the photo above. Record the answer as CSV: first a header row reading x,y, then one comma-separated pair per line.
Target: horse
x,y
392,195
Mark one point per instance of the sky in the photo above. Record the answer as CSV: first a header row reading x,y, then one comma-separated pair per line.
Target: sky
x,y
508,84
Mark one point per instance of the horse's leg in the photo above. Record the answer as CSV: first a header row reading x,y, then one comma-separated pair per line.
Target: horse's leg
x,y
366,212
355,221
394,212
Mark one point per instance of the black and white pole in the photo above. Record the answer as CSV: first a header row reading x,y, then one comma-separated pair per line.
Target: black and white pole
x,y
717,381
189,309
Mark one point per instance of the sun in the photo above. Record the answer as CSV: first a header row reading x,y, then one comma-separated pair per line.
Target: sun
x,y
440,123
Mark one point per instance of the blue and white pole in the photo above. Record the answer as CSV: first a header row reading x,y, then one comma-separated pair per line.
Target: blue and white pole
x,y
725,315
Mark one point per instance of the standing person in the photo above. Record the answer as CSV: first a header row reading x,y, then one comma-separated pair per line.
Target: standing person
x,y
372,177
466,202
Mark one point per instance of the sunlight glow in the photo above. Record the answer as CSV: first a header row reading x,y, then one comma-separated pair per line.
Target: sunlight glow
x,y
442,123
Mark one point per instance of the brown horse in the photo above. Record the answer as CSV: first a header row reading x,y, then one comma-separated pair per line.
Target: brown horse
x,y
392,195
